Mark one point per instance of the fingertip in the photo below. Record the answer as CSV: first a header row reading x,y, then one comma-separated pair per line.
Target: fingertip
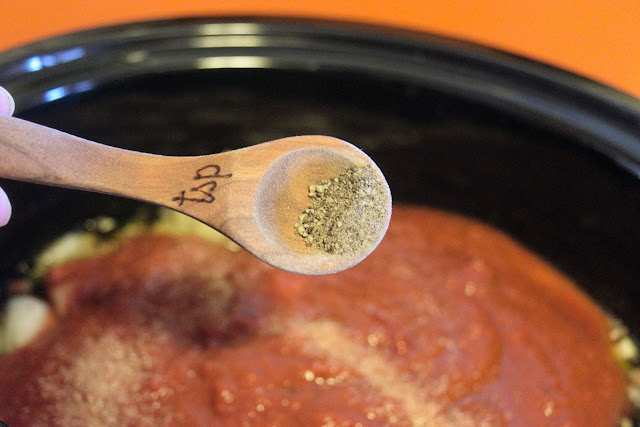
x,y
7,104
5,208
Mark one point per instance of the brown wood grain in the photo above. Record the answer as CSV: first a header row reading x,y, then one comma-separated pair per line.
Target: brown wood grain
x,y
253,195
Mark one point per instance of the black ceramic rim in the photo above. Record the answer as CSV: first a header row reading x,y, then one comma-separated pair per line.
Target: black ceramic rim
x,y
600,117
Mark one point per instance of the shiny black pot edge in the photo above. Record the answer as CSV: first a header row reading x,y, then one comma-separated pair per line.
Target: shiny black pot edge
x,y
49,77
603,118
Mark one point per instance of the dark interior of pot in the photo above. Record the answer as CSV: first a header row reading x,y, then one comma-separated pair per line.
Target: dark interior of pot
x,y
538,170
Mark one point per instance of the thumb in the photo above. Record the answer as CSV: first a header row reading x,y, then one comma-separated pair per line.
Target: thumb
x,y
5,208
7,104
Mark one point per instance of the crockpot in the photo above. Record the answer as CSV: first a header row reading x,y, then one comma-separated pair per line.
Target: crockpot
x,y
549,157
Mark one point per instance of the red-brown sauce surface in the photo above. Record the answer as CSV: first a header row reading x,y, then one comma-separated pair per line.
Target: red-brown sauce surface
x,y
447,322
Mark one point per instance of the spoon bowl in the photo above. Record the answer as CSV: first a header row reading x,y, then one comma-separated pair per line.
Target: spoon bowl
x,y
252,195
283,194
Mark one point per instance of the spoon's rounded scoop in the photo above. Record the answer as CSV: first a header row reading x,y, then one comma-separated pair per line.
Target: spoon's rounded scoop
x,y
253,195
283,194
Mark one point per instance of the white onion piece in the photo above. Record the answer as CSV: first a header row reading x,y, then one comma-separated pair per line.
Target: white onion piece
x,y
24,317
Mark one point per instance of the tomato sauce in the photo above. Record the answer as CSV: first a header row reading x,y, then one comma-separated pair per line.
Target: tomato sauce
x,y
448,322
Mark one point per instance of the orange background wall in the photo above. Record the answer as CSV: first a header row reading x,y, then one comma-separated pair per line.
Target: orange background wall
x,y
599,39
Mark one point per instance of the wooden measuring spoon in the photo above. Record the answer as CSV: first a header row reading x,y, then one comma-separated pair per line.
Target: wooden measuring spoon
x,y
252,195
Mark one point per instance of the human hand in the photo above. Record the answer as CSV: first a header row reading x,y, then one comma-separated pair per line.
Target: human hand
x,y
7,106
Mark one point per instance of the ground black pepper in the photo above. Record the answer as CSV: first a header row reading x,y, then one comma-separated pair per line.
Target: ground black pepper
x,y
345,213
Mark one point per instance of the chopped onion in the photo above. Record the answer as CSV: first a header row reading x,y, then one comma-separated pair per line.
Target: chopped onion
x,y
24,317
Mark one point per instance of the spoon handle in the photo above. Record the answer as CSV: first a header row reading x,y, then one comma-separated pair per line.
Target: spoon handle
x,y
34,153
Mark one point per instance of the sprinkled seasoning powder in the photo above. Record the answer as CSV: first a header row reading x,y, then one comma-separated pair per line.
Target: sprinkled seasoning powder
x,y
345,212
